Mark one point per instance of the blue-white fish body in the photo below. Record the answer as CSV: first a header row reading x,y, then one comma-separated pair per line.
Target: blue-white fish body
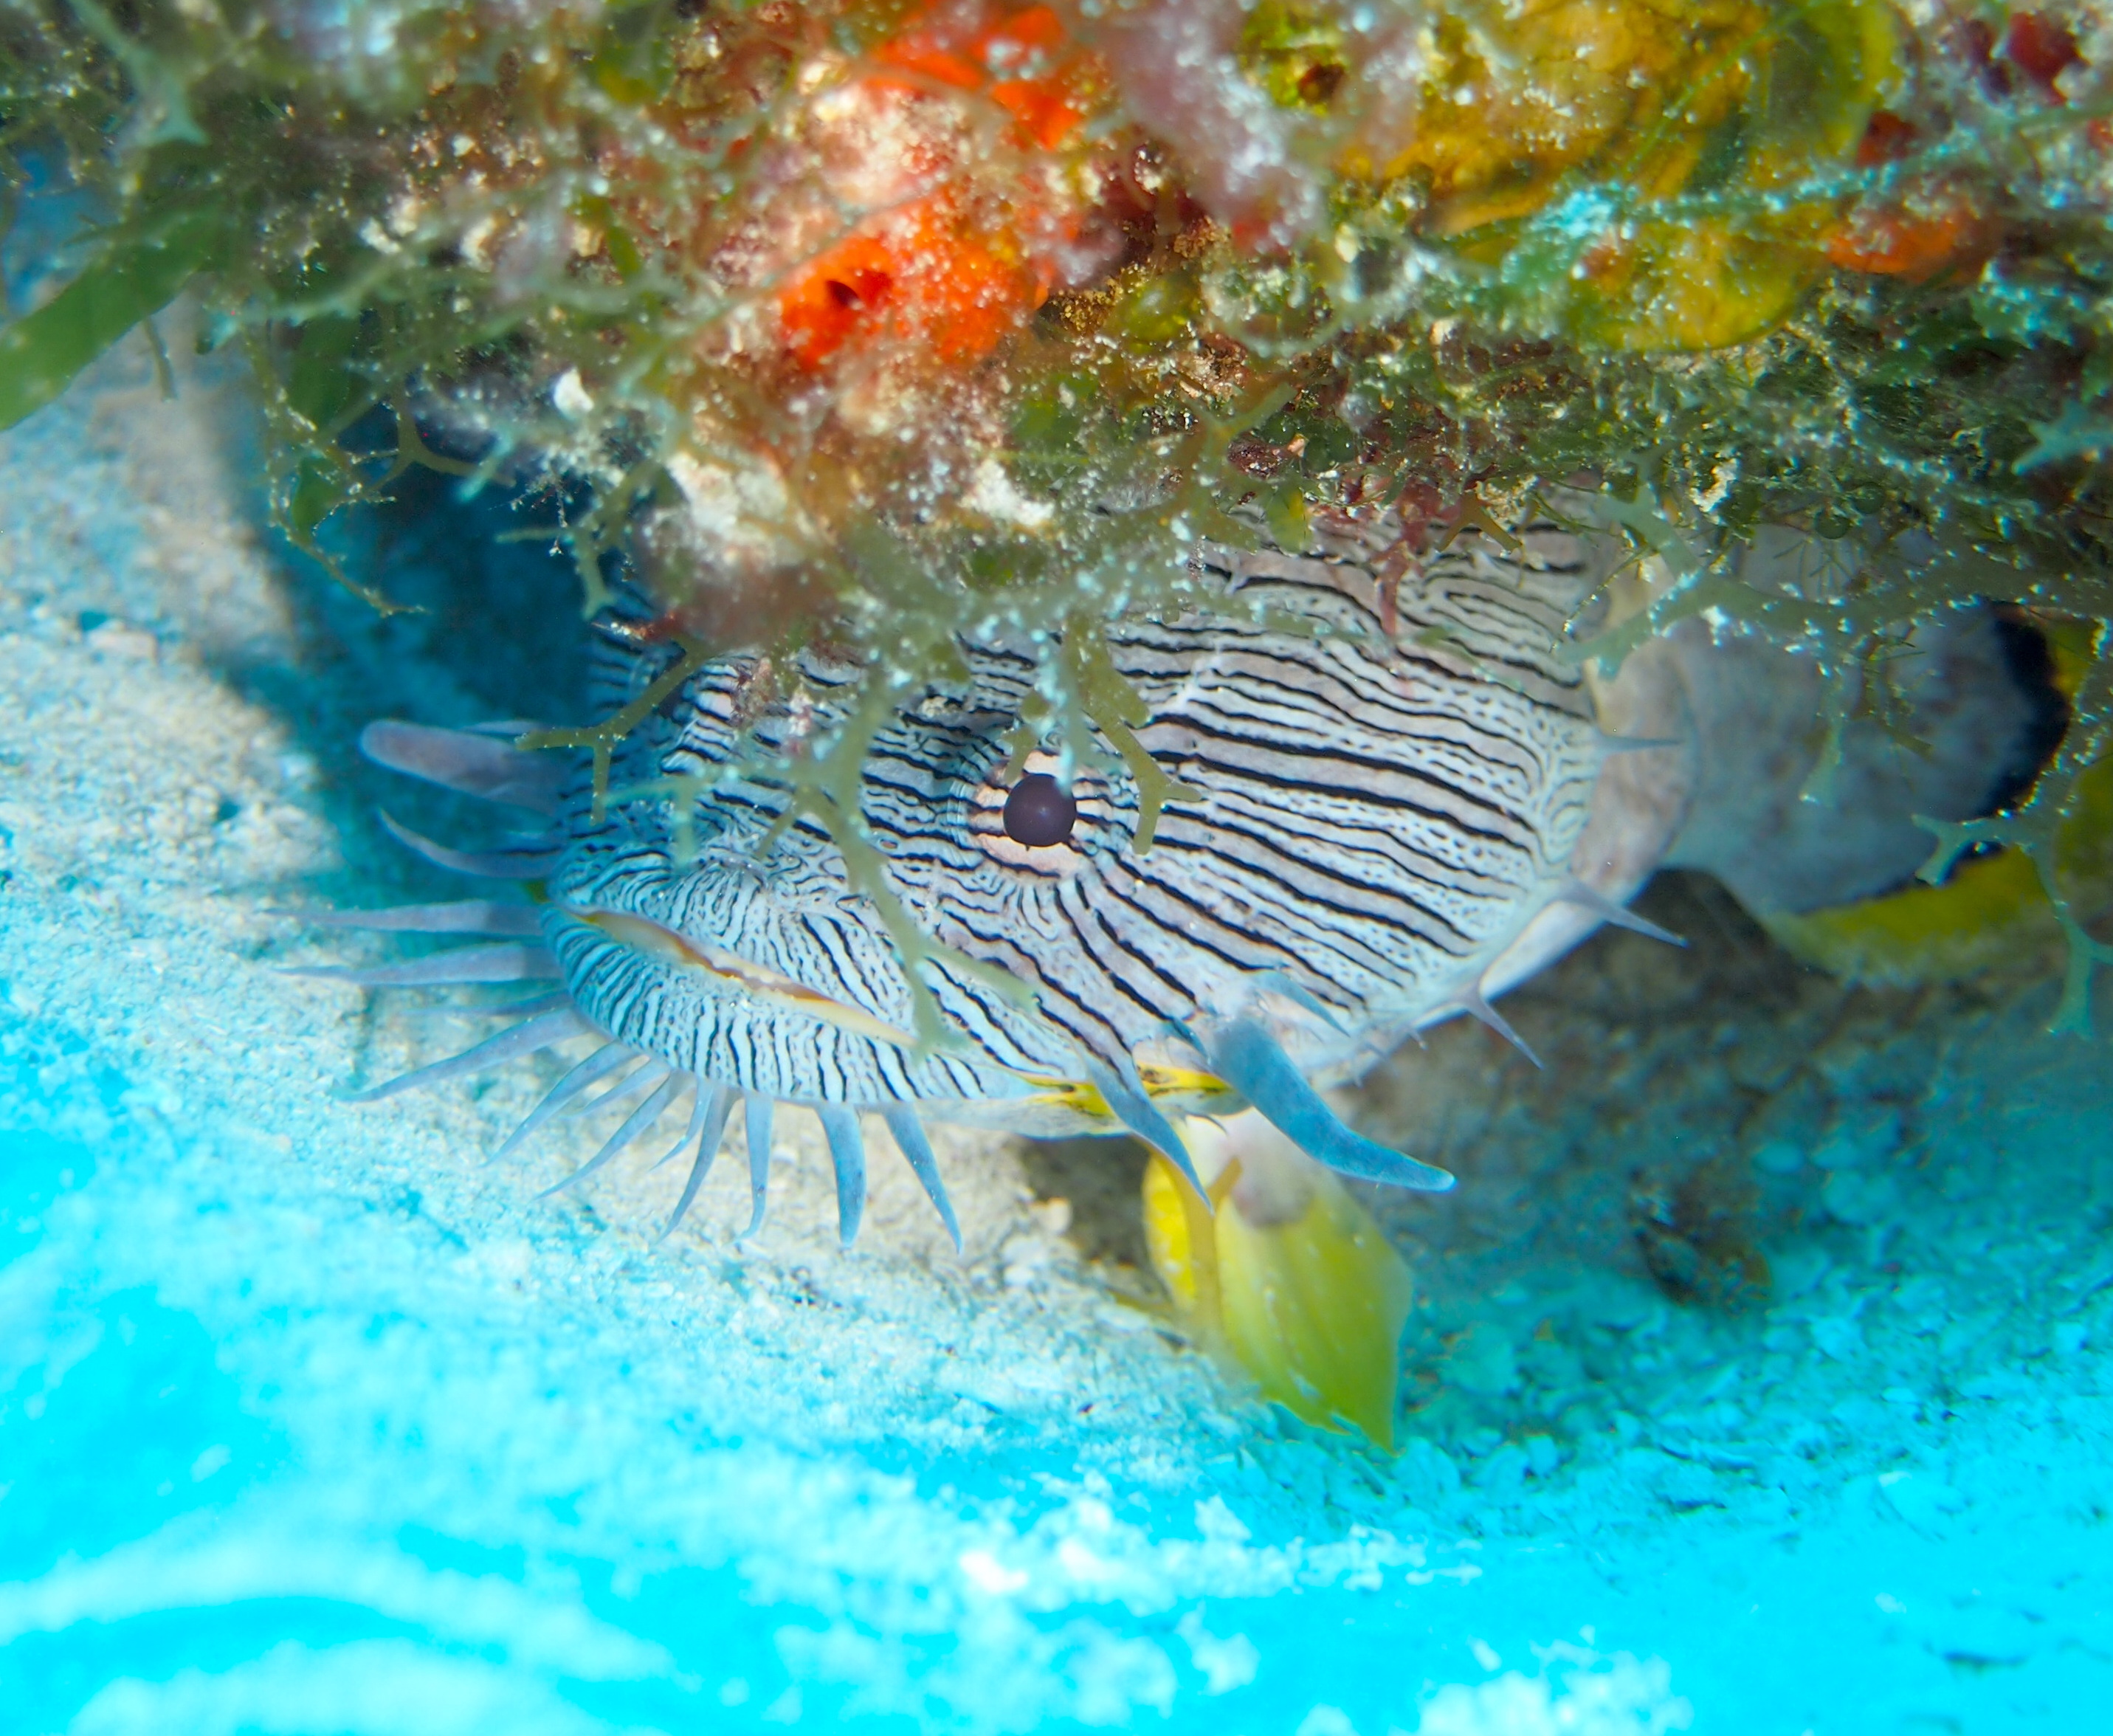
x,y
1367,819
1387,799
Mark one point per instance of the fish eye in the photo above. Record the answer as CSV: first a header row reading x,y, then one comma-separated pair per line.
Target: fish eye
x,y
1033,823
1039,812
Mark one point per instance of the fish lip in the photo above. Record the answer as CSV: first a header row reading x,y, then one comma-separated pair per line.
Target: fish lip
x,y
731,970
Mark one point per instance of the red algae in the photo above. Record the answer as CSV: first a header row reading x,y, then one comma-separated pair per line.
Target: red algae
x,y
961,244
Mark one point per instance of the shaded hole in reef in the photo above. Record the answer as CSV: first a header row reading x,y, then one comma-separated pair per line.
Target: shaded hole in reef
x,y
496,620
486,629
1103,1180
1659,1061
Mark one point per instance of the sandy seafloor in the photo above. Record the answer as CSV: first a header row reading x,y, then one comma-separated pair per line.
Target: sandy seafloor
x,y
311,1420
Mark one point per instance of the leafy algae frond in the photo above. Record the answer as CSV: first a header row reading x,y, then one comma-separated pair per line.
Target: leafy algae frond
x,y
603,739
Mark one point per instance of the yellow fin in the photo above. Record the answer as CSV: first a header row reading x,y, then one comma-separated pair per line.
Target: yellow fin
x,y
1079,1095
1309,1306
1991,912
1161,1079
1985,914
1184,1253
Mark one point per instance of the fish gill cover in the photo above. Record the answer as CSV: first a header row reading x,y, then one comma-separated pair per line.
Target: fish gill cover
x,y
867,324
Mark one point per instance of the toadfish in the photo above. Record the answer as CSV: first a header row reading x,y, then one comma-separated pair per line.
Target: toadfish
x,y
1351,805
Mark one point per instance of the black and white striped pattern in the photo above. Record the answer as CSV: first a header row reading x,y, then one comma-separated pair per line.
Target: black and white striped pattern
x,y
1376,817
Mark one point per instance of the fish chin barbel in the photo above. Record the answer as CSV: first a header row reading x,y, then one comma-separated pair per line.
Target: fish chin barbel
x,y
1392,808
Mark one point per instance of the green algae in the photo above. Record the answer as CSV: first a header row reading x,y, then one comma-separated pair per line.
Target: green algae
x,y
494,243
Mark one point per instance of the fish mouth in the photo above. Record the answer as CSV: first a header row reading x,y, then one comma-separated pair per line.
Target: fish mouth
x,y
727,969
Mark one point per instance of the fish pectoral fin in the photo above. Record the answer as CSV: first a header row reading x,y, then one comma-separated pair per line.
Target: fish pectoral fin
x,y
916,1148
1314,1310
1137,1111
1178,1235
840,1127
1250,1060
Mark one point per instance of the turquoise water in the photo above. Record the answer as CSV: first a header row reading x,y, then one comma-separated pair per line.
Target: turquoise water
x,y
309,1422
279,1460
